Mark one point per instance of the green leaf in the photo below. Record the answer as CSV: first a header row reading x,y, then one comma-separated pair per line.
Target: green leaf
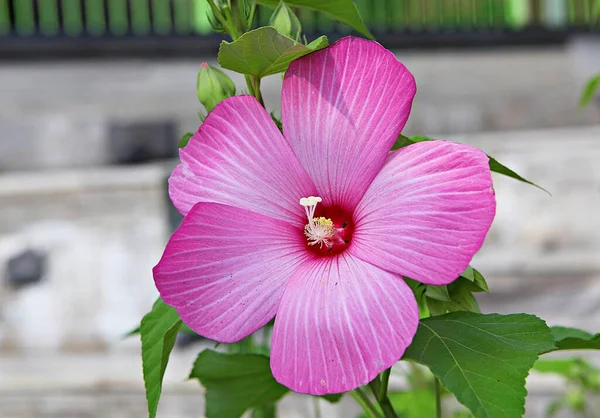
x,y
184,329
482,359
575,339
344,11
502,169
555,407
474,276
404,141
265,411
460,298
185,139
469,274
438,293
136,330
333,397
420,138
589,91
419,289
412,404
158,331
264,51
495,166
235,382
277,121
566,367
457,296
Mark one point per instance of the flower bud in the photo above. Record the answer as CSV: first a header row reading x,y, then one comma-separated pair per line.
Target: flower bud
x,y
285,21
213,86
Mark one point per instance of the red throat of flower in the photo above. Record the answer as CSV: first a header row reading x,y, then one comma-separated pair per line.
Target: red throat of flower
x,y
329,228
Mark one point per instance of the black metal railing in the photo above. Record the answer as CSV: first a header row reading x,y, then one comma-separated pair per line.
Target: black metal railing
x,y
182,26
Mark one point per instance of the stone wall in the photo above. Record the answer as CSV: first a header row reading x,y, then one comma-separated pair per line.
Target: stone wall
x,y
59,115
102,231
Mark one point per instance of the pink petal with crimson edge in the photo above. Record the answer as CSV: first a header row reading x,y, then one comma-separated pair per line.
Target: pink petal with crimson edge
x,y
427,212
238,157
341,322
225,269
342,109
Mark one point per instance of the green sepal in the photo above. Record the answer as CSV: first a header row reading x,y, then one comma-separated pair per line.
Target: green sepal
x,y
286,22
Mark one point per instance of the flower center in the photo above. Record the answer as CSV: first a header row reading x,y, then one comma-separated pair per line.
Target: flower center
x,y
330,231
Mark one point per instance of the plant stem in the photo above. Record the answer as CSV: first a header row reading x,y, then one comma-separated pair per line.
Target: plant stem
x,y
438,398
382,398
385,378
216,12
257,93
265,411
251,16
224,20
233,22
363,400
317,407
245,345
265,340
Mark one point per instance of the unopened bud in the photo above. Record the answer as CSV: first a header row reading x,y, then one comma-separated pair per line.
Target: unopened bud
x,y
213,86
286,22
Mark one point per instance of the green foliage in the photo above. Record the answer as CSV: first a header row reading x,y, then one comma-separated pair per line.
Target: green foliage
x,y
575,339
456,296
235,383
591,89
264,51
265,411
438,293
414,404
419,290
583,379
418,403
277,121
502,169
158,331
213,86
285,21
344,11
460,298
474,276
185,138
404,141
333,397
495,166
570,368
482,359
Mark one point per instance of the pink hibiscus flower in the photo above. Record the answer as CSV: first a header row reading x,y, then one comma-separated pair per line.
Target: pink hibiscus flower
x,y
317,226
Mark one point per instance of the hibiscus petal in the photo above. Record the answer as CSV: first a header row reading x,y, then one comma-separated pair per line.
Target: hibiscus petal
x,y
341,322
238,157
427,212
225,269
342,109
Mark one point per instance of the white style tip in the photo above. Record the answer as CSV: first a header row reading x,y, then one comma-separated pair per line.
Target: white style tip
x,y
310,201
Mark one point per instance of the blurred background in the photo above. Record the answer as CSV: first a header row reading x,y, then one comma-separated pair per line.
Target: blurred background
x,y
94,95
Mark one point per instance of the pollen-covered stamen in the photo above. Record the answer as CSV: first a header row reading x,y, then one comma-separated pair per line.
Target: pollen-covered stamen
x,y
318,230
